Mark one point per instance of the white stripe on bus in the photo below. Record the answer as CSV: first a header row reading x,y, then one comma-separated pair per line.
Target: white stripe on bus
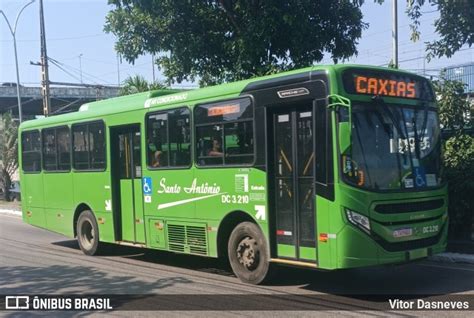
x,y
167,205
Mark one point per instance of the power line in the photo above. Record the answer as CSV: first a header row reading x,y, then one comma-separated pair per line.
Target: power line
x,y
423,57
86,75
62,69
61,39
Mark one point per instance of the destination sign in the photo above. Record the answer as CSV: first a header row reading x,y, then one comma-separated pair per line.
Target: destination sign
x,y
223,110
391,84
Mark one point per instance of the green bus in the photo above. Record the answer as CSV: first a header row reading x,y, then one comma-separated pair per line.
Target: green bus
x,y
327,167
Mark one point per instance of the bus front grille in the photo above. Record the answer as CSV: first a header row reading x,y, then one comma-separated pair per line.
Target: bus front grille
x,y
408,207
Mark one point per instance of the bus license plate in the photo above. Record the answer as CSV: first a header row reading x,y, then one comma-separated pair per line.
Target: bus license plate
x,y
403,232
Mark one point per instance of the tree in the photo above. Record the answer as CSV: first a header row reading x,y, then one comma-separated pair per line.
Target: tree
x,y
8,152
136,84
226,40
455,24
455,116
454,107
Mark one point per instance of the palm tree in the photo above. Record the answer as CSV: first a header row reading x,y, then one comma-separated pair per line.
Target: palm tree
x,y
8,152
136,84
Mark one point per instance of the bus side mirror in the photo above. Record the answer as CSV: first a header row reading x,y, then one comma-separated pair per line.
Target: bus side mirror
x,y
344,136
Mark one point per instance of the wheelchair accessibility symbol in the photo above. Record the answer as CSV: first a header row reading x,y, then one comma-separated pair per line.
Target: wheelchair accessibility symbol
x,y
147,187
420,177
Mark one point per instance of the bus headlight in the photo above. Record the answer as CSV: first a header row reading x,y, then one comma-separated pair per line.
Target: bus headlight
x,y
358,220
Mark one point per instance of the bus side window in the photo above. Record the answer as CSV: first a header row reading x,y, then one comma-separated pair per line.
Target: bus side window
x,y
97,145
157,140
239,142
224,132
169,138
64,148
80,137
89,146
180,138
209,145
31,151
56,149
49,149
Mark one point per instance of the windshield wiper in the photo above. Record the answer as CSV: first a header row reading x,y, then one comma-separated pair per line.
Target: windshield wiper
x,y
408,141
419,137
395,121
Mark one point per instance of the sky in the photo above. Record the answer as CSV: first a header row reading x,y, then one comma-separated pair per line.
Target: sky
x,y
75,38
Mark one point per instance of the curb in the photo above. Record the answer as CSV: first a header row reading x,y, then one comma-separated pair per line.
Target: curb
x,y
453,258
10,212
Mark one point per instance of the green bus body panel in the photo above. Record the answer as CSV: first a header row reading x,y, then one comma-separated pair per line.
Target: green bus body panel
x,y
308,253
139,213
126,208
58,192
286,251
156,233
188,219
33,200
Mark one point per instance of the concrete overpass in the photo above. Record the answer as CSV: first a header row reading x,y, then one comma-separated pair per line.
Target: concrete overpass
x,y
63,99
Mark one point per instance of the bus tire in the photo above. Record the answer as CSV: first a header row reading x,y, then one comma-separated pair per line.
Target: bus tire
x,y
249,254
88,233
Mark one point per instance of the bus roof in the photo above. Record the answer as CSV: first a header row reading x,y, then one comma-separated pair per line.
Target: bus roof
x,y
160,98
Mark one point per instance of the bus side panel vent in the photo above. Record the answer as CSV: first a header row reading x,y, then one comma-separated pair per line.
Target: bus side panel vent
x,y
176,238
196,239
184,238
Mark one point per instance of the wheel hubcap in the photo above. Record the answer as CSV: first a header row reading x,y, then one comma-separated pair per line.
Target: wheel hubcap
x,y
248,253
87,234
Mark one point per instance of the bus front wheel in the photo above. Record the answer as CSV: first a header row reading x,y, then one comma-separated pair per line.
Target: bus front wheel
x,y
248,253
88,233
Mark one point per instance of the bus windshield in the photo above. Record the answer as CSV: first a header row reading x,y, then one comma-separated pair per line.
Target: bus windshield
x,y
394,147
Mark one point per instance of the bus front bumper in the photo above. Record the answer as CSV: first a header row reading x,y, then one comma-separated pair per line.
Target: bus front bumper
x,y
358,249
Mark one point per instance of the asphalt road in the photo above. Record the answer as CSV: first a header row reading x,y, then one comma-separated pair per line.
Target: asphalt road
x,y
35,261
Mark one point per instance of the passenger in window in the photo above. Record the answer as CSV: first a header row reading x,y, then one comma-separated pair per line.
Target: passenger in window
x,y
216,150
155,153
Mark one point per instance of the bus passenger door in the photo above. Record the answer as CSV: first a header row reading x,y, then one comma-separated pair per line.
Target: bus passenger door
x,y
126,184
292,176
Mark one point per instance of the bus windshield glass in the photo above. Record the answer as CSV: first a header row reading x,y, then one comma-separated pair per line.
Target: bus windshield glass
x,y
394,147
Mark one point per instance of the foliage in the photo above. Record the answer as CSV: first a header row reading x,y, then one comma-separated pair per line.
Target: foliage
x,y
455,24
136,84
454,110
227,40
8,152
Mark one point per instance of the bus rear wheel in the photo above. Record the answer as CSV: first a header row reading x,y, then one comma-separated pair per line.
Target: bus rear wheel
x,y
88,233
248,253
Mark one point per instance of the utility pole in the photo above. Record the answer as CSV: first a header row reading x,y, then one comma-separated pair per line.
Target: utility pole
x,y
80,66
13,32
153,66
118,70
395,33
44,67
